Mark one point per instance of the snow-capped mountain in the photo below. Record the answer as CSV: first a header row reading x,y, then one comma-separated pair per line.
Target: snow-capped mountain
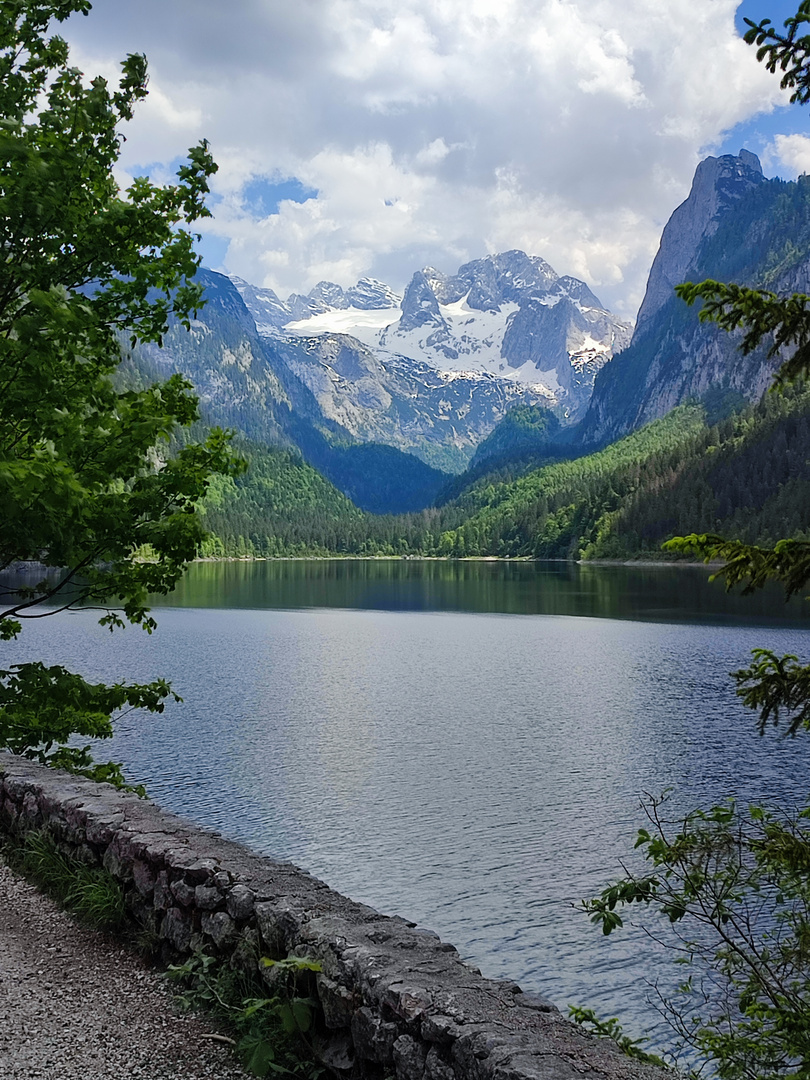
x,y
509,315
272,315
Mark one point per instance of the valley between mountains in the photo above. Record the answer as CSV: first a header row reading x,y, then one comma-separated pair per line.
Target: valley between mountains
x,y
502,410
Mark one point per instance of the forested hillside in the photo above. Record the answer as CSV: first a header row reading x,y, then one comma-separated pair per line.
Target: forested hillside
x,y
743,475
244,382
280,506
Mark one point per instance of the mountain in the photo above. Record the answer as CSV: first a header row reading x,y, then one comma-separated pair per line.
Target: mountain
x,y
334,381
272,315
244,381
279,506
525,430
508,316
440,416
736,225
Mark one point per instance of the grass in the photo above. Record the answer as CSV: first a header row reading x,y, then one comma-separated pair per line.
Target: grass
x,y
87,891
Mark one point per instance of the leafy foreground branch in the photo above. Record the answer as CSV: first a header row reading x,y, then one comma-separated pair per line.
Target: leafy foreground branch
x,y
735,886
613,1030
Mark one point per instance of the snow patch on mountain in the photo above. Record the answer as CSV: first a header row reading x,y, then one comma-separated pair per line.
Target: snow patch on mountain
x,y
366,326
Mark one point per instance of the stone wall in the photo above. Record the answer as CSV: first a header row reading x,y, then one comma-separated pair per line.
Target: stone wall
x,y
397,1001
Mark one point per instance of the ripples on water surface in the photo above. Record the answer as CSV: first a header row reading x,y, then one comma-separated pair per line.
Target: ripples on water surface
x,y
476,771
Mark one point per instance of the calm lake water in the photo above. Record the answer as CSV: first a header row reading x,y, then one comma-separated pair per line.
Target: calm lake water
x,y
464,744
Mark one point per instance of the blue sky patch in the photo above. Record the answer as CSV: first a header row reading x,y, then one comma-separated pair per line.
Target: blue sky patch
x,y
263,196
213,250
757,10
758,133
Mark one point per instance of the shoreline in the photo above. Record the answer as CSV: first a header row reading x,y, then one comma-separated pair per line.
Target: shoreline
x,y
645,563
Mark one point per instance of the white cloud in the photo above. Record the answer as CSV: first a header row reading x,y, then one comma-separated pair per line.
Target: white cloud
x,y
793,151
438,130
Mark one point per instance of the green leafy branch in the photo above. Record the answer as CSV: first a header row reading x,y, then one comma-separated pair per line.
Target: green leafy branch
x,y
739,884
271,1032
613,1030
788,52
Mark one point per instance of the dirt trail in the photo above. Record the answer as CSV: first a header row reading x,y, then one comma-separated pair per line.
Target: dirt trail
x,y
74,1005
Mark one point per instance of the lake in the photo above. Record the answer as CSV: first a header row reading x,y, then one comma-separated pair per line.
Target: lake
x,y
464,744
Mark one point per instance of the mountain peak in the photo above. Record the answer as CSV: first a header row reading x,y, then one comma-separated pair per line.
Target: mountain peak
x,y
369,294
508,315
718,184
750,159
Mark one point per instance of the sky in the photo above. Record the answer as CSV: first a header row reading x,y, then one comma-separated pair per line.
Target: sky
x,y
374,137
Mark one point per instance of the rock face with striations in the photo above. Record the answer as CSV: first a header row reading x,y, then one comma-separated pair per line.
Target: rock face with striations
x,y
283,390
734,226
719,184
439,416
433,372
513,316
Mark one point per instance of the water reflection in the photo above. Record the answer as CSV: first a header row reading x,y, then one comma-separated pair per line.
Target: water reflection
x,y
661,593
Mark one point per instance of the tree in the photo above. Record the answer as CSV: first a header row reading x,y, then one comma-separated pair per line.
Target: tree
x,y
741,879
88,486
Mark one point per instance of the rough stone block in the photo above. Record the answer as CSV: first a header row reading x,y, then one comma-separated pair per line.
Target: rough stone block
x,y
436,1068
200,871
86,855
30,808
278,926
337,1001
144,877
407,1001
439,1029
219,926
17,787
239,902
182,892
336,1051
162,897
114,864
409,1058
101,830
206,897
10,812
373,1038
245,953
536,1002
176,928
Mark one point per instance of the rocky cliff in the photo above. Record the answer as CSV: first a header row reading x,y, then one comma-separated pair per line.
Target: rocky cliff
x,y
734,226
440,416
249,383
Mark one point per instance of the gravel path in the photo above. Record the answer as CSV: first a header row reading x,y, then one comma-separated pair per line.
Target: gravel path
x,y
75,1005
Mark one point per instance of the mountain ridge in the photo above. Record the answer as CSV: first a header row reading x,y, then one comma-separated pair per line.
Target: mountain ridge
x,y
508,315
